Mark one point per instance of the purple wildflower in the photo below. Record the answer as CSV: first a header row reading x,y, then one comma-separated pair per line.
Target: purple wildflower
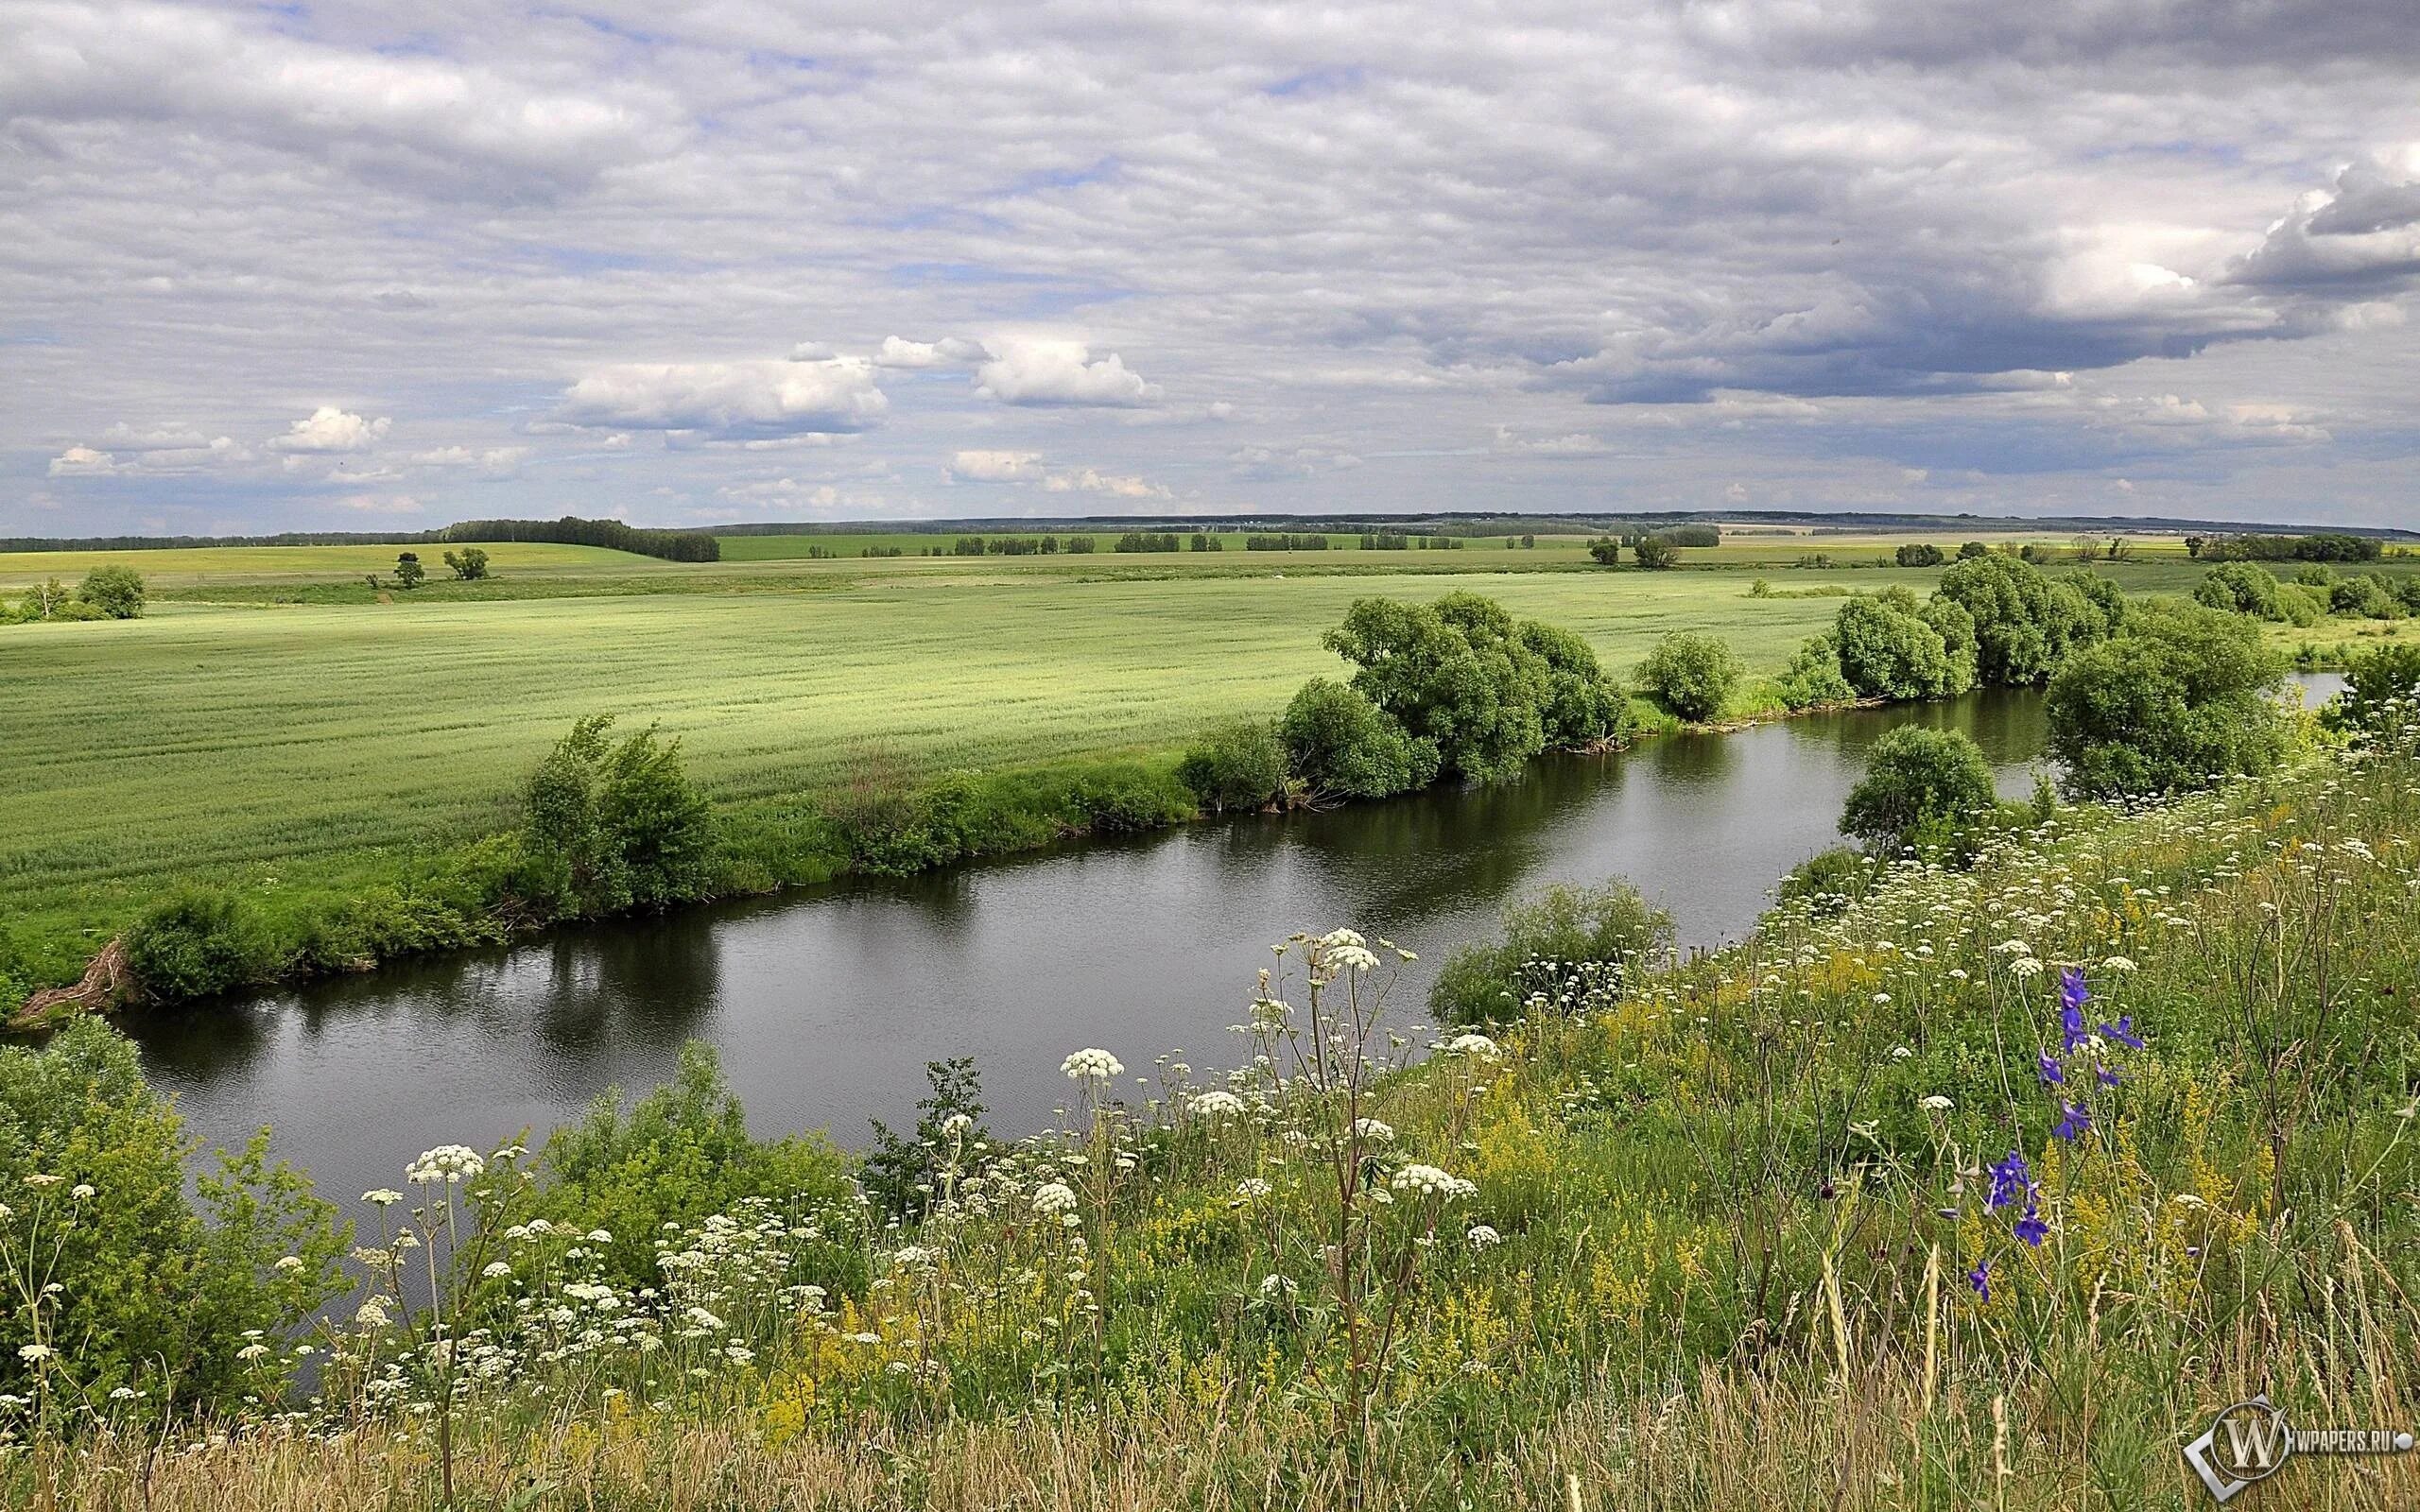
x,y
2108,1077
2031,1228
2053,1073
2123,1032
2072,997
1981,1279
2076,1123
2010,1181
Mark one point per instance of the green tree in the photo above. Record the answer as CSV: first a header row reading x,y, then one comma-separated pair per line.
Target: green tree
x,y
1339,743
408,572
2018,634
2241,588
1920,787
469,565
1240,764
1582,706
607,827
1455,674
1919,554
1690,673
1889,650
1656,553
2180,697
2366,596
1973,549
116,591
1606,550
1813,678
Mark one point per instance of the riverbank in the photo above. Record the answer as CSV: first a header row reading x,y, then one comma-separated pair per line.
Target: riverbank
x,y
1805,1221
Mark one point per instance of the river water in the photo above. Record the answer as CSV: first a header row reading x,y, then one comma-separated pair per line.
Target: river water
x,y
826,1003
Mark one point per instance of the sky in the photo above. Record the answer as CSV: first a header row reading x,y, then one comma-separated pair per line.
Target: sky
x,y
362,267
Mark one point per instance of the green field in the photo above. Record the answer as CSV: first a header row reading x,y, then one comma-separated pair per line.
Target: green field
x,y
276,725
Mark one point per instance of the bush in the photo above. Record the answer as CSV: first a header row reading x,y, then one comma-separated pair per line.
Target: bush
x,y
1240,764
1455,674
2381,694
116,591
2183,696
1889,650
2365,598
1341,743
1973,549
1919,554
676,1154
2240,588
1829,881
198,943
1813,678
2021,629
1606,932
1655,552
1691,674
1582,706
1921,787
608,827
155,1289
1605,551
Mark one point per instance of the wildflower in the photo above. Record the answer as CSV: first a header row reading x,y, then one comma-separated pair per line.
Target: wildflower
x,y
34,1353
2031,1229
2025,966
2123,1032
446,1165
373,1313
1344,950
1217,1105
1373,1130
1472,1044
80,1191
495,1270
2106,1076
252,1352
2075,1124
1429,1181
2052,1072
1981,1279
1253,1189
289,1262
37,1179
1091,1065
2117,963
2011,1180
1484,1237
1935,1104
1053,1197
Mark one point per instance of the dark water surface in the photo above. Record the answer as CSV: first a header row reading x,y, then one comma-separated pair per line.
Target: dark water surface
x,y
826,1003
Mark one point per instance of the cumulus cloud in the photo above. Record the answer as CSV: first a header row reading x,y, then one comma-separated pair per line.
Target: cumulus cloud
x,y
2363,237
1086,480
1062,372
735,400
896,352
327,430
85,462
996,467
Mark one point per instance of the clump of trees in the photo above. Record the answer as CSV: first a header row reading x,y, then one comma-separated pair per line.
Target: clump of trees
x,y
469,565
2181,697
1919,554
1148,541
671,545
1655,553
1286,540
2321,546
110,592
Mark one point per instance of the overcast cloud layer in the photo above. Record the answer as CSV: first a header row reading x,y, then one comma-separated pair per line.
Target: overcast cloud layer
x,y
350,266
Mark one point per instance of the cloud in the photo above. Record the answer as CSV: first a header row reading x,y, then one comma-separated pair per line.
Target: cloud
x,y
85,462
2361,239
1062,372
328,430
1086,480
996,467
731,401
896,351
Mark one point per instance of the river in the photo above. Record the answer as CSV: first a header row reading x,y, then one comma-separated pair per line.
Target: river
x,y
826,1003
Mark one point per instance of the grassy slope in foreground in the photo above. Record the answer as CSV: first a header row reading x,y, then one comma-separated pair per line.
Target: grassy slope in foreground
x,y
304,749
1729,1255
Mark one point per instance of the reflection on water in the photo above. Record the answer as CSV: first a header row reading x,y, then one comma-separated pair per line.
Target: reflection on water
x,y
827,1004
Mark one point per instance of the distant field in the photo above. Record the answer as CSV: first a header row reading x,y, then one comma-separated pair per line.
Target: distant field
x,y
274,723
239,744
190,566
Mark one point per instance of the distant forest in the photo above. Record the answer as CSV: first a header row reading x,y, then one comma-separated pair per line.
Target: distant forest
x,y
672,545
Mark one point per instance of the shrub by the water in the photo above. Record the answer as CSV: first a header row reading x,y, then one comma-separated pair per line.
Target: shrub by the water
x,y
2178,700
2382,692
1921,788
198,943
1888,649
610,826
1339,743
1240,764
2241,588
1606,934
1813,678
1691,674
